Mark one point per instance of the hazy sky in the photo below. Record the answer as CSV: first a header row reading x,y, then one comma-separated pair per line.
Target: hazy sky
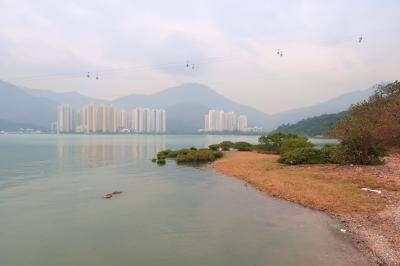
x,y
143,46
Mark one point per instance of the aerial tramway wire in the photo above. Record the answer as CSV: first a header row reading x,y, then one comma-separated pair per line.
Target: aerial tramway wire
x,y
99,72
189,64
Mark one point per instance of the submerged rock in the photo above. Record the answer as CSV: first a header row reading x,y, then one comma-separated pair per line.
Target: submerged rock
x,y
108,196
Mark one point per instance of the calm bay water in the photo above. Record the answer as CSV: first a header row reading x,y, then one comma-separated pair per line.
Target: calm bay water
x,y
52,211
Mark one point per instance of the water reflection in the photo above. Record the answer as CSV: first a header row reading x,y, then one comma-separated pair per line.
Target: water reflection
x,y
53,213
104,150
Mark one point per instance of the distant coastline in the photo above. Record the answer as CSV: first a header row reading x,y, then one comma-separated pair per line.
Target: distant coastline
x,y
121,133
185,105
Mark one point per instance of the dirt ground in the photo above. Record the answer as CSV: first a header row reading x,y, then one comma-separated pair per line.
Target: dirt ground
x,y
373,219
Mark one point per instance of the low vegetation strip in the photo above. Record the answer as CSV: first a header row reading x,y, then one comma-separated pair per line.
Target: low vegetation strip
x,y
194,155
295,149
191,155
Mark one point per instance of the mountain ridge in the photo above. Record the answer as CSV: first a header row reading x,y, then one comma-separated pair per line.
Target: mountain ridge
x,y
312,126
191,93
332,106
73,98
186,105
19,107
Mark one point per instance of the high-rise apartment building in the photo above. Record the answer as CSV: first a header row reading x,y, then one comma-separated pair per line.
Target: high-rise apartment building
x,y
242,123
219,120
146,120
230,121
206,122
66,118
103,118
124,124
215,120
142,119
135,120
160,125
92,117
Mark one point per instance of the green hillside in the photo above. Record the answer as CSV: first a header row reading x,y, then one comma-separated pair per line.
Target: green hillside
x,y
314,126
15,126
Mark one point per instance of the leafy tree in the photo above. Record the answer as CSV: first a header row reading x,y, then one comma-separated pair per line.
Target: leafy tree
x,y
368,125
272,142
351,151
289,144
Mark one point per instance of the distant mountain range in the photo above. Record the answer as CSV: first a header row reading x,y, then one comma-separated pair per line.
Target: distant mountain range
x,y
73,98
332,106
185,106
18,106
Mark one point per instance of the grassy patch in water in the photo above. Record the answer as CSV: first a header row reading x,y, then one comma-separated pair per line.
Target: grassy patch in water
x,y
191,155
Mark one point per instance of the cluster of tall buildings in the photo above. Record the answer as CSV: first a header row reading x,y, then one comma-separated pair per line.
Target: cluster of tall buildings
x,y
219,120
104,118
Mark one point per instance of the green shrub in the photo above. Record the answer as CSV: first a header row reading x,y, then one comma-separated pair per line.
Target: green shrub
x,y
171,153
327,151
214,147
378,150
161,161
289,144
272,142
189,155
202,155
352,151
163,154
218,154
308,155
226,145
243,146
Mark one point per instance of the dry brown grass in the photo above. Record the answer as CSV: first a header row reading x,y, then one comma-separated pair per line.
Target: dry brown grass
x,y
332,188
374,219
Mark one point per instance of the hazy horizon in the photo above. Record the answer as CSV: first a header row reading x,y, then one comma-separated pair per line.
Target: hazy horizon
x,y
188,83
143,48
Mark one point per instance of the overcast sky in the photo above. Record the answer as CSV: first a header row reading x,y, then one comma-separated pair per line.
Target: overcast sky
x,y
143,46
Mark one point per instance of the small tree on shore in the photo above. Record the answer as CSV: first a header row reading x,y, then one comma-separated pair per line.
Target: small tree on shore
x,y
369,125
273,142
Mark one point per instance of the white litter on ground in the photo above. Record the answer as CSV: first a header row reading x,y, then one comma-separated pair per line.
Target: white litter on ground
x,y
372,190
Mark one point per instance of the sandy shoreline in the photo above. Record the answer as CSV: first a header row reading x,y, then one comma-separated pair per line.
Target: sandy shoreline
x,y
372,219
